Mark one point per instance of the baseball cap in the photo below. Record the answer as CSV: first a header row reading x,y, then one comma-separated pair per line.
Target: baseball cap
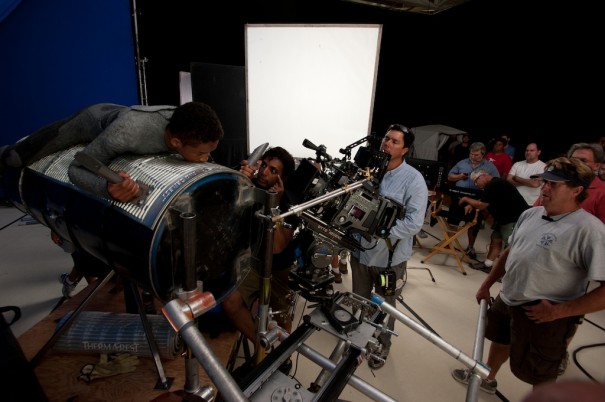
x,y
558,176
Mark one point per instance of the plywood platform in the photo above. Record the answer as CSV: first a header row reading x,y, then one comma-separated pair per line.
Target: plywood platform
x,y
58,372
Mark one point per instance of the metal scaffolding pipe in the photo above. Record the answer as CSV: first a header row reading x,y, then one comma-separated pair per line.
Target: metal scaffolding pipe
x,y
354,381
473,364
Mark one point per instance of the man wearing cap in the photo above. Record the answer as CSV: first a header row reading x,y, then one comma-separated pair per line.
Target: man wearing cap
x,y
590,154
504,203
594,203
555,251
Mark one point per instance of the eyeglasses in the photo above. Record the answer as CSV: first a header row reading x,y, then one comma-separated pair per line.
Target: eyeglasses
x,y
398,127
477,178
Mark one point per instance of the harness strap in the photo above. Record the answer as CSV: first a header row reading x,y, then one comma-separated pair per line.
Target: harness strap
x,y
391,250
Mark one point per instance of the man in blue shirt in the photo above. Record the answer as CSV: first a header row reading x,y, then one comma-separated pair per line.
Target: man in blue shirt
x,y
405,185
461,175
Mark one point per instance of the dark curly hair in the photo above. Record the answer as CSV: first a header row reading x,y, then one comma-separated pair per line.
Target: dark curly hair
x,y
194,123
284,156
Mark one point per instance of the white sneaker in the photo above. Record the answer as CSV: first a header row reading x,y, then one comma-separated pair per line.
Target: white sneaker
x,y
69,288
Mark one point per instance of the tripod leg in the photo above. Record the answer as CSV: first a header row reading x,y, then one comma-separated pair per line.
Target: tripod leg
x,y
57,334
163,382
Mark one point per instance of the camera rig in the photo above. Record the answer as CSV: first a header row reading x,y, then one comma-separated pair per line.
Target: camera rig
x,y
339,203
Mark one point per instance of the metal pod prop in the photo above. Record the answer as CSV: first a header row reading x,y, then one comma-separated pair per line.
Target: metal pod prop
x,y
145,242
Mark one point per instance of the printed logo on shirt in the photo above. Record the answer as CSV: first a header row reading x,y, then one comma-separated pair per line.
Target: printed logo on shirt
x,y
547,240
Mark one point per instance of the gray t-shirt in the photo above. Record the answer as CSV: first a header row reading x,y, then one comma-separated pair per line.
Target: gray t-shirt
x,y
553,260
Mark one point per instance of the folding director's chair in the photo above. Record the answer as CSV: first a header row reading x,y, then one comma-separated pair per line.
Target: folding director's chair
x,y
451,231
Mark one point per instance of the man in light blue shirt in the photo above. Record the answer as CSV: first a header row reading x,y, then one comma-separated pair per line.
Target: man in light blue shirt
x,y
379,257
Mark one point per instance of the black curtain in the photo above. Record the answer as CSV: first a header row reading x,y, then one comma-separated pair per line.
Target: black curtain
x,y
223,87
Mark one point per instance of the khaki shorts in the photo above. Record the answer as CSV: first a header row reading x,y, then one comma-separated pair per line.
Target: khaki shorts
x,y
281,294
503,232
536,350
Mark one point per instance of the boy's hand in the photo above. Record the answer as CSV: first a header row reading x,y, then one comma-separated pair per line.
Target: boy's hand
x,y
125,190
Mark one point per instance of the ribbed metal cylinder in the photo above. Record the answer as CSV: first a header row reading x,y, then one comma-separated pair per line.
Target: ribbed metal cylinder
x,y
145,242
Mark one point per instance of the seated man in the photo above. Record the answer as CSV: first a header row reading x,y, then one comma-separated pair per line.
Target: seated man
x,y
276,165
460,174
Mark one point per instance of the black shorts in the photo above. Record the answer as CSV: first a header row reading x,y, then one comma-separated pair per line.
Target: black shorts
x,y
456,214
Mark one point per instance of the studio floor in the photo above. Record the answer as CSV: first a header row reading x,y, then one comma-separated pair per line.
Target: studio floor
x,y
416,370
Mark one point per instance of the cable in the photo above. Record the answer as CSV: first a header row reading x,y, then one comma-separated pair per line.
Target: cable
x,y
575,352
8,224
594,345
400,300
593,323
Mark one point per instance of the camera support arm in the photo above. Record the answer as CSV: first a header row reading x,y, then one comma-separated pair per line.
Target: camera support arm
x,y
297,209
347,150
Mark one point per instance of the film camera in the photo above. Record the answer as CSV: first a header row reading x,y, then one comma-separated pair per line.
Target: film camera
x,y
340,203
